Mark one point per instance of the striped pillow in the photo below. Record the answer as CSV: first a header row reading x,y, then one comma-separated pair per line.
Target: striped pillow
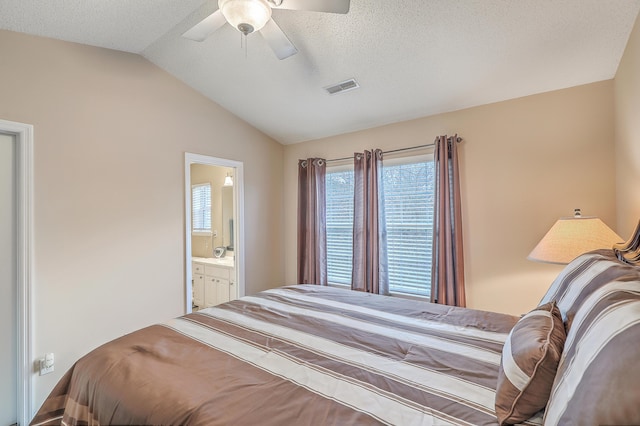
x,y
529,360
581,277
598,379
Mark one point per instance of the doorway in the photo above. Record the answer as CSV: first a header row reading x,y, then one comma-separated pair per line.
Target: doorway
x,y
16,189
8,282
214,230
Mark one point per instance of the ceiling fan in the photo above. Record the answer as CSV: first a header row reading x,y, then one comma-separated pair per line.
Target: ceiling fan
x,y
248,16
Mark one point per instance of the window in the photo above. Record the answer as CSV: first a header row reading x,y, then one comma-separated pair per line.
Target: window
x,y
408,201
201,209
408,204
339,189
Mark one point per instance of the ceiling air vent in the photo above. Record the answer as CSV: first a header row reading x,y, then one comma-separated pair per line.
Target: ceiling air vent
x,y
342,87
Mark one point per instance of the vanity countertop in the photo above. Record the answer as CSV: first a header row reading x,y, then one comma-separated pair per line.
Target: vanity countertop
x,y
222,261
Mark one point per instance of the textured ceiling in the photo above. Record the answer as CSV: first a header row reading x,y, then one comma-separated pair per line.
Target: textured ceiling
x,y
412,58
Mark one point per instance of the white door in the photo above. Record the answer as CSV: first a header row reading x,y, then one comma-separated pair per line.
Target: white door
x,y
8,281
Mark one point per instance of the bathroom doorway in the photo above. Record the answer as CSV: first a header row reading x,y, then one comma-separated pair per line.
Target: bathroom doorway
x,y
214,219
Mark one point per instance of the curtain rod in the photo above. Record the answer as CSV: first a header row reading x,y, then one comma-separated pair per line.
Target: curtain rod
x,y
458,139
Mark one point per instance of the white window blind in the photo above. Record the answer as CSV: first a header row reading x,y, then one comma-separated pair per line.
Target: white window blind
x,y
201,208
339,190
408,203
408,196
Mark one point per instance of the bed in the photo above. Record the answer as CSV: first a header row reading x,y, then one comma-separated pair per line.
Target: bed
x,y
313,355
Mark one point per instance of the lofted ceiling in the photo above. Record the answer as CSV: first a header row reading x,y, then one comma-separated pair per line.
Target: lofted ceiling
x,y
412,58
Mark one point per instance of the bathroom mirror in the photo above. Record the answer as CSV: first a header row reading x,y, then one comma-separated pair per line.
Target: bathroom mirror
x,y
227,217
217,239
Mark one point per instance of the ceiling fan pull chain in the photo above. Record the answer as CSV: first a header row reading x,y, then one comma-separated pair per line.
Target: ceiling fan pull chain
x,y
243,43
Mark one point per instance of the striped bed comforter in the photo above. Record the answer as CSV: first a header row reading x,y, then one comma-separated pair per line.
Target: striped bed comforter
x,y
299,355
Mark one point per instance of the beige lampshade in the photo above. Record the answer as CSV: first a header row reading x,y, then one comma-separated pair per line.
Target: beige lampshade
x,y
570,237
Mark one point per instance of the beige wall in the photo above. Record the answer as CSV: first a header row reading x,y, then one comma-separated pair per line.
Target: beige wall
x,y
524,163
627,134
111,130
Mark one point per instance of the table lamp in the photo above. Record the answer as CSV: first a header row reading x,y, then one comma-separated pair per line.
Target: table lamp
x,y
570,237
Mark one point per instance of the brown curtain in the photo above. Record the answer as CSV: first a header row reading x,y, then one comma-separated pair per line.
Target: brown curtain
x,y
447,271
312,233
369,229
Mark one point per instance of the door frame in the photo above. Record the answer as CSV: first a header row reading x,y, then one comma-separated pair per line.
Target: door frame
x,y
238,204
23,134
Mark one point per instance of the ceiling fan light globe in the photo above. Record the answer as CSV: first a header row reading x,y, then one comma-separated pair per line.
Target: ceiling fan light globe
x,y
245,14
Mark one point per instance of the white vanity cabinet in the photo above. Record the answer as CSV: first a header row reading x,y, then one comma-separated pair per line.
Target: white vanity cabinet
x,y
198,290
212,283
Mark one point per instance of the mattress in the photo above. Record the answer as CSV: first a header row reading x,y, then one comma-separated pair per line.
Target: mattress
x,y
299,355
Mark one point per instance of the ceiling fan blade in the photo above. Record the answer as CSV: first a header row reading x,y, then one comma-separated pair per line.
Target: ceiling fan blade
x,y
206,27
277,40
332,6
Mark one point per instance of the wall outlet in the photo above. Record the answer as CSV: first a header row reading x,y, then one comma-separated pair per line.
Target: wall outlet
x,y
46,364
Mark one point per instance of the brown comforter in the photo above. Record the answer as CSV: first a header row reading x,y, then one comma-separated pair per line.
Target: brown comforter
x,y
299,355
